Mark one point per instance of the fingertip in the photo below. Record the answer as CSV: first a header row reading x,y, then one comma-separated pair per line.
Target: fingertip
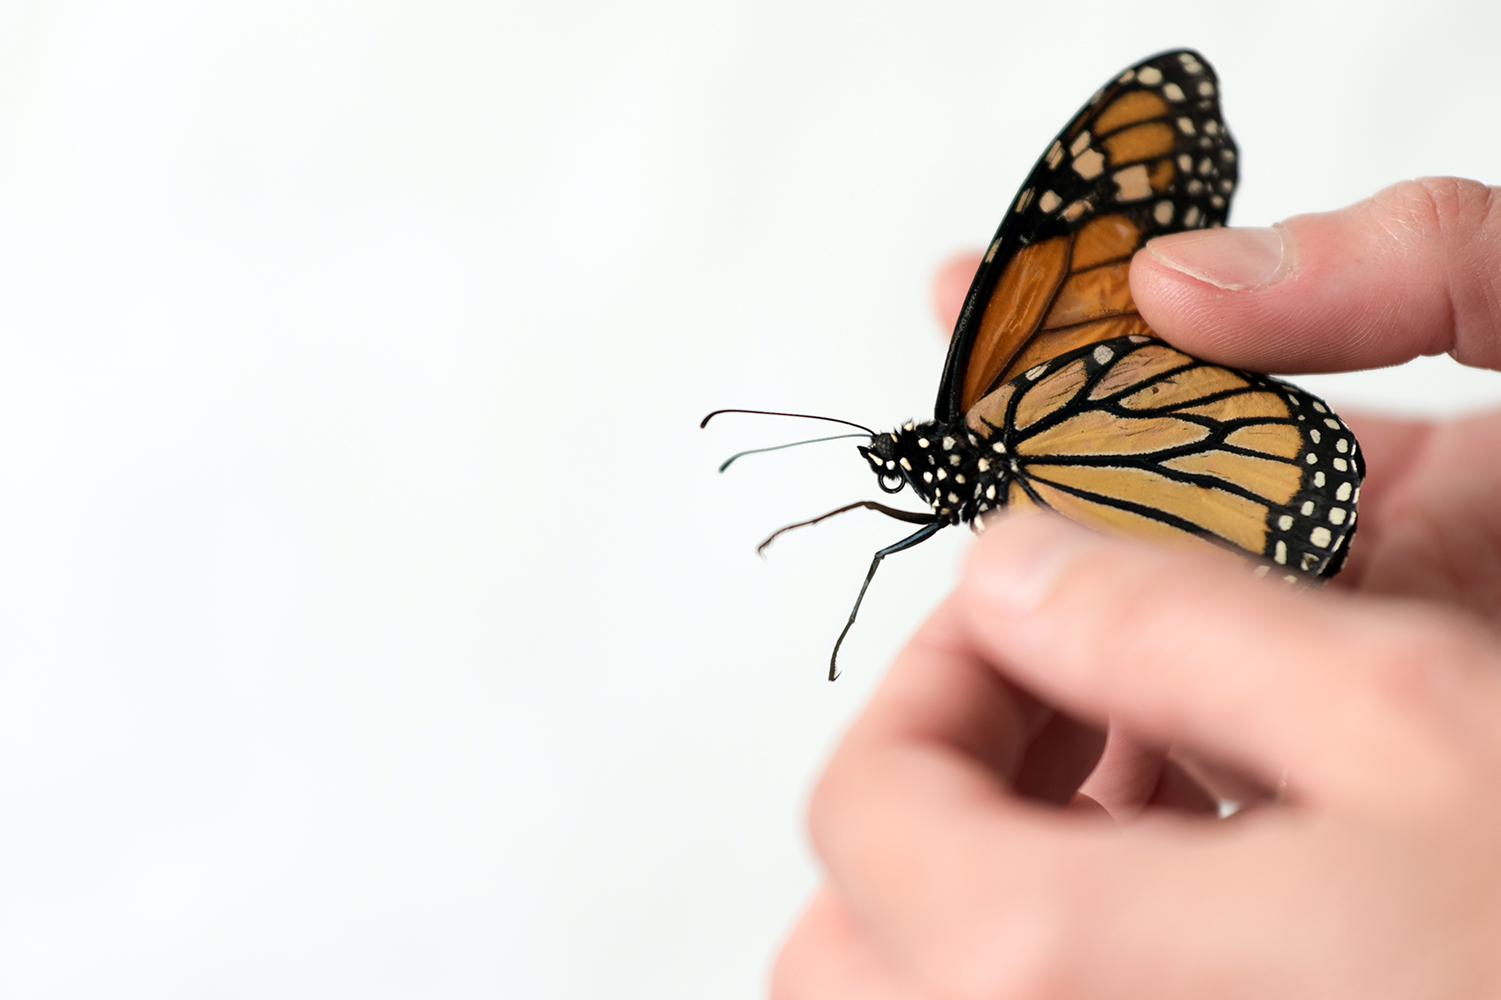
x,y
1227,259
1019,558
1409,272
950,286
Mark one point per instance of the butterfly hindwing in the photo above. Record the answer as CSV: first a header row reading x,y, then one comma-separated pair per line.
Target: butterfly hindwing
x,y
1149,155
1132,437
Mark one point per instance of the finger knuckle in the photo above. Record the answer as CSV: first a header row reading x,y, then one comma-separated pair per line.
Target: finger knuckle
x,y
1448,209
1453,225
1404,657
1414,674
1032,954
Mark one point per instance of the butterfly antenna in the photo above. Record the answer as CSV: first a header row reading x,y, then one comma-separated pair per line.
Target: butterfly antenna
x,y
777,413
794,444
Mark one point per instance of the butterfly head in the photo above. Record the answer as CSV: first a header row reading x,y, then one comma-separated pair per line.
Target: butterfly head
x,y
900,458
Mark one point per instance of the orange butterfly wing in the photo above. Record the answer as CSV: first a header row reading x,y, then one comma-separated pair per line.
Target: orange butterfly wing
x,y
1148,155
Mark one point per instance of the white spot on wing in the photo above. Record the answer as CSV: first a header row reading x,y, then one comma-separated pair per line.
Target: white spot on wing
x,y
1055,155
1163,213
1133,183
1173,92
1337,515
1103,354
1090,164
1285,522
1280,555
1343,493
1080,144
1049,201
1321,536
1149,75
1075,210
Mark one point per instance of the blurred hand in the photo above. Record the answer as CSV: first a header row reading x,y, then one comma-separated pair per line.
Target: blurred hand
x,y
952,871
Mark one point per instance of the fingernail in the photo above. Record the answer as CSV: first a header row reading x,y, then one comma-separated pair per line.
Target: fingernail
x,y
1233,259
1018,571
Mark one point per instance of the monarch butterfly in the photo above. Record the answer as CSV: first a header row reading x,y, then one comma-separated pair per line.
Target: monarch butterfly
x,y
1056,394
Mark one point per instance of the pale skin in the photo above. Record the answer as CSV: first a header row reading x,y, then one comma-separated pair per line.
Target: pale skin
x,y
978,846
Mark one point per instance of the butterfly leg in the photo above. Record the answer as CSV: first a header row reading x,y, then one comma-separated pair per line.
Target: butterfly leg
x,y
922,534
901,515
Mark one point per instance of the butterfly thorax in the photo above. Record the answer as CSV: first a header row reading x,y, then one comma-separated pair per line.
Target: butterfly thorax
x,y
957,473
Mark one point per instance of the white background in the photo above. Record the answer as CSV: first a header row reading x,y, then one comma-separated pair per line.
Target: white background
x,y
372,620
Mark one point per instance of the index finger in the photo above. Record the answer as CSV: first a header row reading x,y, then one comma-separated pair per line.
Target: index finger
x,y
1414,270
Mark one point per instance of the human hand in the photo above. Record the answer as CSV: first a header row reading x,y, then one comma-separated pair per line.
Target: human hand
x,y
1379,875
1408,272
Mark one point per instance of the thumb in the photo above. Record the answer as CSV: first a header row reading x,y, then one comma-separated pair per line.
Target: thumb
x,y
1414,270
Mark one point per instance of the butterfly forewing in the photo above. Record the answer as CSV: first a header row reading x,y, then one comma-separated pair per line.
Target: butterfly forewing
x,y
1149,155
